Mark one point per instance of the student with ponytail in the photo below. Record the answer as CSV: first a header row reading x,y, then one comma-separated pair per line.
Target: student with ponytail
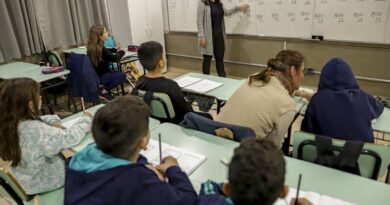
x,y
265,103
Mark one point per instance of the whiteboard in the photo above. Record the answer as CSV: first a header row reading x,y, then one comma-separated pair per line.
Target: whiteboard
x,y
343,20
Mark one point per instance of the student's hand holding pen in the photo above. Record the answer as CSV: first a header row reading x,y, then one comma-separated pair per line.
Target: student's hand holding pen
x,y
159,174
167,162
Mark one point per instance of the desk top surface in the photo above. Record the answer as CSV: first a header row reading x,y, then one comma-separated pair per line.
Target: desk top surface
x,y
153,123
28,70
223,92
315,178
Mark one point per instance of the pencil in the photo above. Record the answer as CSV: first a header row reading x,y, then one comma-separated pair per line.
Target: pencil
x,y
299,186
82,104
159,146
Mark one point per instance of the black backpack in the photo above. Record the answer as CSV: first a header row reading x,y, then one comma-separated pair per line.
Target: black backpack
x,y
346,160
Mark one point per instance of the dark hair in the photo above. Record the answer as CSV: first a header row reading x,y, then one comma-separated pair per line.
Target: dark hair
x,y
95,43
15,95
149,54
120,125
207,2
283,61
256,173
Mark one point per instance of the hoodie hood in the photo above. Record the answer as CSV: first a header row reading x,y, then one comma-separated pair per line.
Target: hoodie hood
x,y
91,159
337,75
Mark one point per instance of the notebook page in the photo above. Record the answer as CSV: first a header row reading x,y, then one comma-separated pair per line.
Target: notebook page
x,y
204,86
187,80
70,123
330,200
188,161
313,197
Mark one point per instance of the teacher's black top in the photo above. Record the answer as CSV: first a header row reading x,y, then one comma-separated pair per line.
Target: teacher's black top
x,y
217,14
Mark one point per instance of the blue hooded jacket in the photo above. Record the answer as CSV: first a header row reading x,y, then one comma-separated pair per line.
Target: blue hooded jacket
x,y
94,177
340,109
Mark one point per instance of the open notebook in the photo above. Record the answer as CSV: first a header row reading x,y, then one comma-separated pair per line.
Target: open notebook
x,y
313,197
197,84
188,161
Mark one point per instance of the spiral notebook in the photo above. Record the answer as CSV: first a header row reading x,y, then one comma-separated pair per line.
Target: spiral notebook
x,y
188,161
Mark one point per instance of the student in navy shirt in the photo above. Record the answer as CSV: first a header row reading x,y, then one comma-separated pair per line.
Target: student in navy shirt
x,y
113,172
340,109
256,177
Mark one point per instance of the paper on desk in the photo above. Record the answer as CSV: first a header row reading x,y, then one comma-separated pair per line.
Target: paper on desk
x,y
204,86
313,197
70,123
187,80
188,161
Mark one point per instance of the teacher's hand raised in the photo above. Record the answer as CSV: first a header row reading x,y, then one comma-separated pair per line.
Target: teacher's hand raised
x,y
244,8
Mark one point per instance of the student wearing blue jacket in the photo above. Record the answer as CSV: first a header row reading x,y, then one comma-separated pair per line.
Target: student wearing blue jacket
x,y
113,172
256,177
340,109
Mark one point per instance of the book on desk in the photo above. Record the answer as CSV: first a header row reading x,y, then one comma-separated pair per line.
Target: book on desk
x,y
198,85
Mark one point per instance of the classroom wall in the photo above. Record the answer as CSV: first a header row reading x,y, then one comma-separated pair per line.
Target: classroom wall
x,y
367,60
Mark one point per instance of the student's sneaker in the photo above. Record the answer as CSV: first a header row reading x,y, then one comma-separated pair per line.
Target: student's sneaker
x,y
107,97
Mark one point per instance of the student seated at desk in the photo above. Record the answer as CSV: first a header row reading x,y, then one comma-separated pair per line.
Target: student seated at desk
x,y
150,54
340,108
101,57
33,143
264,102
256,177
113,172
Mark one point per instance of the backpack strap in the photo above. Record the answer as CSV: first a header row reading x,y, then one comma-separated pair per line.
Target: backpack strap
x,y
148,97
325,154
349,156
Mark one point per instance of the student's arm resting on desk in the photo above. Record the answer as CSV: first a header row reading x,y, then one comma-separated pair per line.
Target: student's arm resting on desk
x,y
178,191
376,107
56,139
113,57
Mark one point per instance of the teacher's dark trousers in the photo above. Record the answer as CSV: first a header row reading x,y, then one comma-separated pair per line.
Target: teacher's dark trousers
x,y
219,52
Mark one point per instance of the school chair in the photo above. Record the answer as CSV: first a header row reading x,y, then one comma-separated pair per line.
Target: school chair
x,y
83,80
372,161
160,104
17,193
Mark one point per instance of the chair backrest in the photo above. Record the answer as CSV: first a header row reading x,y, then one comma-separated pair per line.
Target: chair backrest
x,y
373,160
160,104
83,80
11,185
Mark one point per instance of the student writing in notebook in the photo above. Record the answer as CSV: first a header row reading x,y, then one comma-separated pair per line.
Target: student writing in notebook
x,y
340,108
101,57
256,177
32,143
264,102
113,172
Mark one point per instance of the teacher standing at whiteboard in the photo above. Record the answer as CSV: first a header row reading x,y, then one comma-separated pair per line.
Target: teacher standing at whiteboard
x,y
212,33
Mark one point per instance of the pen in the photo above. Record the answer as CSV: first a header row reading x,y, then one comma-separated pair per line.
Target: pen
x,y
299,186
